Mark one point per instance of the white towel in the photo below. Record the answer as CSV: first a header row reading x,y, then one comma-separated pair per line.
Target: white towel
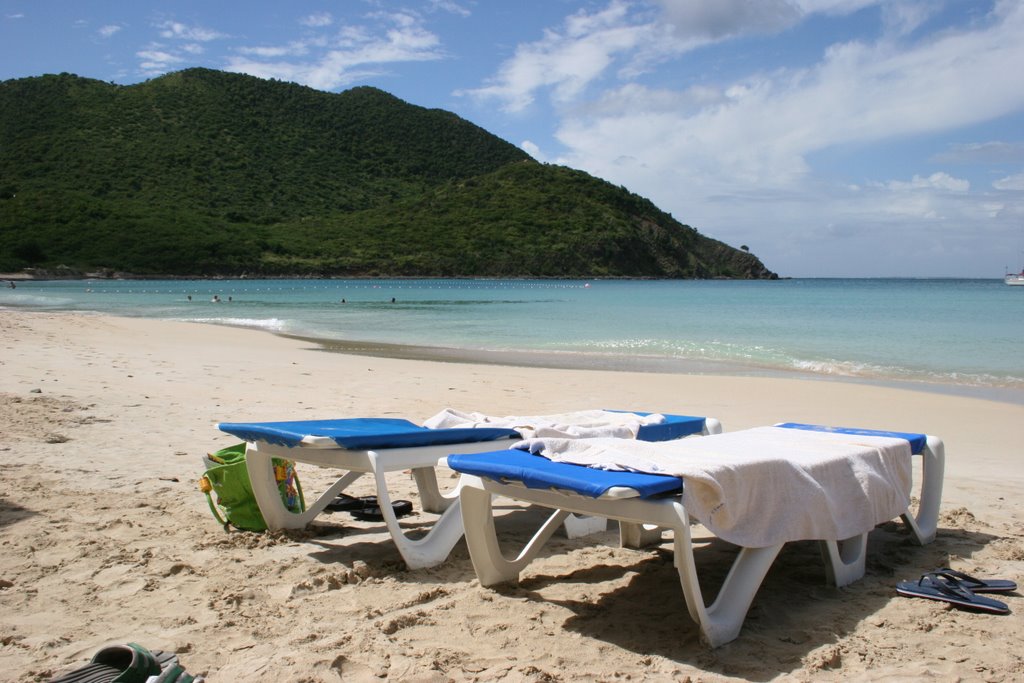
x,y
583,424
769,485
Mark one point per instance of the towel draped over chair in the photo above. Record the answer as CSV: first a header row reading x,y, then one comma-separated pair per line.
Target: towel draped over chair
x,y
580,424
768,485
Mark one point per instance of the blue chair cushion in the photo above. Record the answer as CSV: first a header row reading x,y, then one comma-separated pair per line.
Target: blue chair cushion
x,y
917,441
537,472
674,427
361,433
367,433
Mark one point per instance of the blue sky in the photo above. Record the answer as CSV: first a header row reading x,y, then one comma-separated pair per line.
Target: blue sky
x,y
833,137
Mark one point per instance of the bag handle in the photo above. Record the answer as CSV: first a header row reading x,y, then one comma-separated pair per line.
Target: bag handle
x,y
298,486
205,486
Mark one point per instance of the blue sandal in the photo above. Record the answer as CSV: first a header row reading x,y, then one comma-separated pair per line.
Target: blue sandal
x,y
946,588
978,585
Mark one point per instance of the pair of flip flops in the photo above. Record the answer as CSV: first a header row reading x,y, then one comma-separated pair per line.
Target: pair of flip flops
x,y
957,588
130,663
366,507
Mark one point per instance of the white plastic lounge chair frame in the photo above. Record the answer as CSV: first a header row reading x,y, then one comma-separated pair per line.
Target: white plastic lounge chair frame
x,y
427,551
719,622
924,523
845,559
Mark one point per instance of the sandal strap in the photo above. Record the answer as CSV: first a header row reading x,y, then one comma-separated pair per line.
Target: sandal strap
x,y
946,584
955,575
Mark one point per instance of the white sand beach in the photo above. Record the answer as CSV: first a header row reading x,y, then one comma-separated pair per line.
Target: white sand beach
x,y
106,539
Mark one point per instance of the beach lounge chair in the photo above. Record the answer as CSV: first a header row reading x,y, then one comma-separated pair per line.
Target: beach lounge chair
x,y
870,468
377,446
925,522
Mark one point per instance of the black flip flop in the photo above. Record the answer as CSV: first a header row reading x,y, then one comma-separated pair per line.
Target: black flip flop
x,y
370,511
978,585
345,503
934,586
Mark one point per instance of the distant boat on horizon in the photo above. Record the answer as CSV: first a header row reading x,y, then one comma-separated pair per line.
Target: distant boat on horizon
x,y
1014,278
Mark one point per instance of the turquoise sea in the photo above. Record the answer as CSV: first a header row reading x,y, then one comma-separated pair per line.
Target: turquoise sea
x,y
965,336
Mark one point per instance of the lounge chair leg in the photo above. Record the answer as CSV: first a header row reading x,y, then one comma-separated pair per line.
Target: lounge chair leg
x,y
578,526
268,498
925,524
634,535
431,498
726,615
845,560
430,550
482,539
722,620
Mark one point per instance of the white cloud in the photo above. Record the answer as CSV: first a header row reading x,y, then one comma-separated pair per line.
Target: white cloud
x,y
1013,182
902,18
759,131
733,157
533,150
448,6
626,38
834,7
351,54
174,30
983,153
993,209
156,60
317,20
185,44
293,49
108,30
581,51
720,18
936,181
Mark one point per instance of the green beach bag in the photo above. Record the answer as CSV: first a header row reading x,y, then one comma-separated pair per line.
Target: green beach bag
x,y
228,477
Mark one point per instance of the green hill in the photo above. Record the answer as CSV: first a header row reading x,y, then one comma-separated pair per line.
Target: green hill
x,y
208,173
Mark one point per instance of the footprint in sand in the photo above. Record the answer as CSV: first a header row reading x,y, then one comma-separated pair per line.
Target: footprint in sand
x,y
119,581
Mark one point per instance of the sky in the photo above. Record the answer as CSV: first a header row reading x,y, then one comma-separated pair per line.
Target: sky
x,y
845,138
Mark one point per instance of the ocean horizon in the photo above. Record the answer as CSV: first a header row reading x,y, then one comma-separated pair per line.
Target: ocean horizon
x,y
952,335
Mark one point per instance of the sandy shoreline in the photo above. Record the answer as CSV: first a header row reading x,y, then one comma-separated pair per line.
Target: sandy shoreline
x,y
554,360
106,538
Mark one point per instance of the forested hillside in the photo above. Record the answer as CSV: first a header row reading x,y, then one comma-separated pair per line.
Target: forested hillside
x,y
208,173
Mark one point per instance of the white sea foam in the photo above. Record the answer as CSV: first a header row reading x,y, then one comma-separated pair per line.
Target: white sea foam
x,y
269,324
32,301
767,358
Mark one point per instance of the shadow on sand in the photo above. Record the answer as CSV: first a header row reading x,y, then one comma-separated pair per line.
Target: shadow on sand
x,y
11,513
794,613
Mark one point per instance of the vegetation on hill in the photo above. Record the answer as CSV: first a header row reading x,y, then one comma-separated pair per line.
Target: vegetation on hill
x,y
207,173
